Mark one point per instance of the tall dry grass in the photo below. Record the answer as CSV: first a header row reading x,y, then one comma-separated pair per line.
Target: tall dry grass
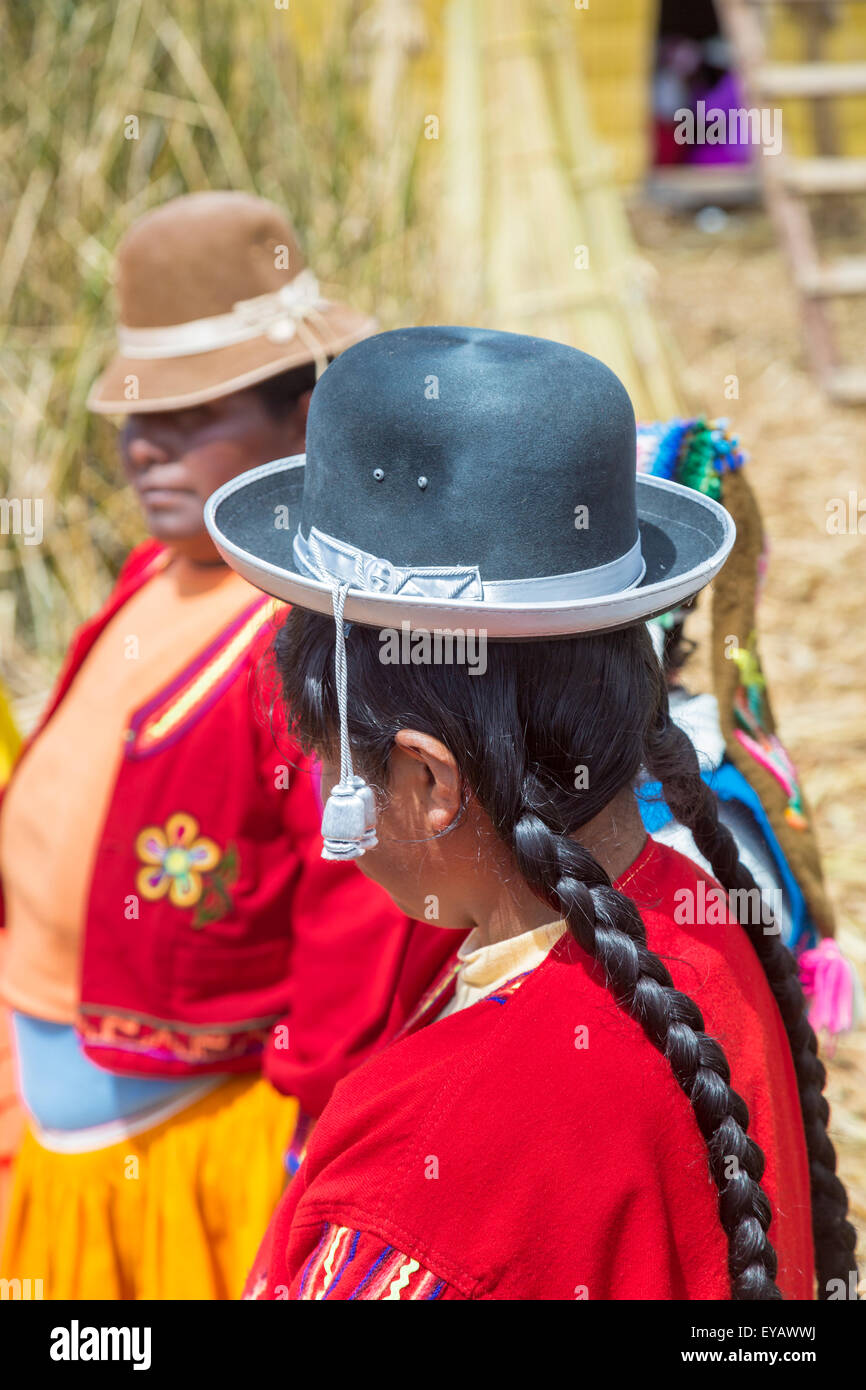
x,y
217,89
323,108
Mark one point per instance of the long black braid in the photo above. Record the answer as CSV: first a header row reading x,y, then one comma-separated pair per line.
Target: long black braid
x,y
672,760
519,733
609,928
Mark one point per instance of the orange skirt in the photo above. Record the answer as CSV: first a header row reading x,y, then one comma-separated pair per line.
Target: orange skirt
x,y
176,1212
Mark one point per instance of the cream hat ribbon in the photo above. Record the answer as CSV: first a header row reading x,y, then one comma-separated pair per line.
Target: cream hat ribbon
x,y
276,316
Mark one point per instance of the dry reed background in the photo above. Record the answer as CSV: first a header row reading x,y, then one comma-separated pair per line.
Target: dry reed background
x,y
217,88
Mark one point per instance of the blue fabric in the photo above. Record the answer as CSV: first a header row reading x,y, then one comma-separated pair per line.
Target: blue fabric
x,y
729,784
63,1089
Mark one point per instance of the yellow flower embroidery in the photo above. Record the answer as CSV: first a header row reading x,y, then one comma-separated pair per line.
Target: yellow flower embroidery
x,y
174,860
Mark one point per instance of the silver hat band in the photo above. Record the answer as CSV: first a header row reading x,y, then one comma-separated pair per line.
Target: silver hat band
x,y
324,558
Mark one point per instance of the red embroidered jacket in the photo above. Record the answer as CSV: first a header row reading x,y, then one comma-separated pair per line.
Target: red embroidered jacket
x,y
285,961
536,1145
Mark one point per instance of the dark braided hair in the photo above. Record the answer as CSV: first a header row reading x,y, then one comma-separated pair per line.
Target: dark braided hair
x,y
519,733
671,758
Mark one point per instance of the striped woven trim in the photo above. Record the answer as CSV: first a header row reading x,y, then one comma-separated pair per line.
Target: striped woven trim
x,y
193,1044
351,1265
442,986
176,708
297,1150
509,987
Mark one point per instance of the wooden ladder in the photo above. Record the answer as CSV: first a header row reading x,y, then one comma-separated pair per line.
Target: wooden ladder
x,y
787,182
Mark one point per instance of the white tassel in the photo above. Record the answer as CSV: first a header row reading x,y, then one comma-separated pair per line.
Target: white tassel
x,y
344,823
349,817
365,792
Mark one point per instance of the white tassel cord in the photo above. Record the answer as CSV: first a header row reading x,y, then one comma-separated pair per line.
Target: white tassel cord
x,y
349,817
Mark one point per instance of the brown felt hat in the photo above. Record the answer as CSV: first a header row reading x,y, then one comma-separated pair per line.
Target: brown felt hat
x,y
214,296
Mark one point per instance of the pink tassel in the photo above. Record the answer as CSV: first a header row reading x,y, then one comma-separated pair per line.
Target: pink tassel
x,y
831,988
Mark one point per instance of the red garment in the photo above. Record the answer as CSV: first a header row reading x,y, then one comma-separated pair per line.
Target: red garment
x,y
489,1155
280,936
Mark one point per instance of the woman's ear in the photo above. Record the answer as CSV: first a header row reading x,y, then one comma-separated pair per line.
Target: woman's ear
x,y
422,768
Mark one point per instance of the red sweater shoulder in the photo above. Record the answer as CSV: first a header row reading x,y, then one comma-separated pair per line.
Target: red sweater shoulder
x,y
537,1145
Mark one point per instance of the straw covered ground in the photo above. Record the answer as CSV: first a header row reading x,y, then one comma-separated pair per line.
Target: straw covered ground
x,y
727,303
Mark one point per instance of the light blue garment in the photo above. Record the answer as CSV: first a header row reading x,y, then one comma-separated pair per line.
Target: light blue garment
x,y
63,1089
740,809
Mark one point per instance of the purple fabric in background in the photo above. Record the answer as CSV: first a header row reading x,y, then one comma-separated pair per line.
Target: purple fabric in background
x,y
726,95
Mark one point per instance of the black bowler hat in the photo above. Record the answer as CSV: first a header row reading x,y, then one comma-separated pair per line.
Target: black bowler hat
x,y
460,477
